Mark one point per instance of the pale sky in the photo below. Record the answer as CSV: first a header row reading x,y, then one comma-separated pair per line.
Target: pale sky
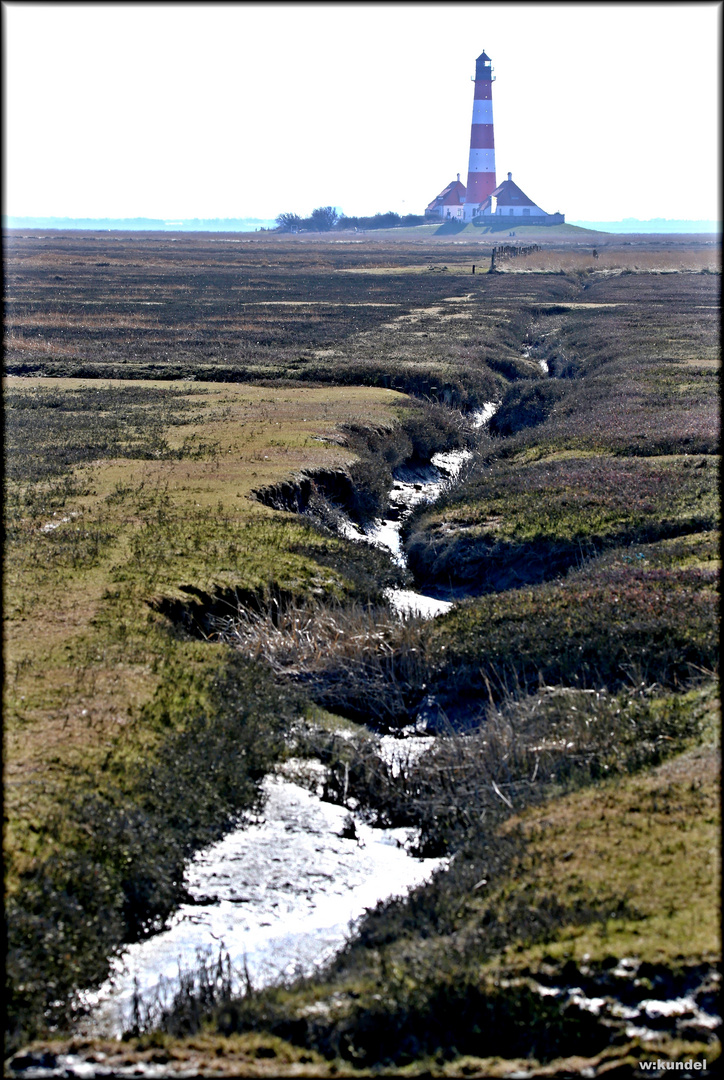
x,y
239,110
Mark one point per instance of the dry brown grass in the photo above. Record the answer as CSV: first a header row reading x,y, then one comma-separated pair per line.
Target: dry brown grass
x,y
353,660
613,257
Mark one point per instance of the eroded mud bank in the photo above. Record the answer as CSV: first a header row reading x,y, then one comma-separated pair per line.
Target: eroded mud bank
x,y
280,895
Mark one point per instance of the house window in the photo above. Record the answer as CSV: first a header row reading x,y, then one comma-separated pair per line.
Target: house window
x,y
526,211
511,210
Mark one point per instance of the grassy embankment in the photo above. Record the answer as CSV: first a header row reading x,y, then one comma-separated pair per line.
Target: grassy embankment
x,y
436,954
587,681
619,447
126,499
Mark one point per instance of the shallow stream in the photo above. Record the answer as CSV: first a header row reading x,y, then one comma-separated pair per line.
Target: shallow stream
x,y
412,486
280,894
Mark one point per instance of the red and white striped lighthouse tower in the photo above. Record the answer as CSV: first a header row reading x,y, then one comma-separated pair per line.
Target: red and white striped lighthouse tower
x,y
481,167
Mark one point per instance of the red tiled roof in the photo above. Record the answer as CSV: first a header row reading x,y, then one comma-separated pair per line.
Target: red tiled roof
x,y
452,195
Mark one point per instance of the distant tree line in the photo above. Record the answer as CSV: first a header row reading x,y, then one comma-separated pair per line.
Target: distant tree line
x,y
326,218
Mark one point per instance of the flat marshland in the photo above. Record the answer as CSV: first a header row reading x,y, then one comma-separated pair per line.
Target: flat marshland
x,y
188,419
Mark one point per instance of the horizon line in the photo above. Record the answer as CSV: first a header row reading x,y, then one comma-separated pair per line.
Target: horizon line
x,y
176,219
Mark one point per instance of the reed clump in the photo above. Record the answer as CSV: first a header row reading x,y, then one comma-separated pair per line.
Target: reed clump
x,y
523,750
361,661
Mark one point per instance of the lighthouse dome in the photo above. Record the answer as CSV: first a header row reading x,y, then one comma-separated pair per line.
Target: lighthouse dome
x,y
483,67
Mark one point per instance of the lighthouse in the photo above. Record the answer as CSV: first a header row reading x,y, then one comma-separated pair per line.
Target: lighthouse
x,y
481,165
483,202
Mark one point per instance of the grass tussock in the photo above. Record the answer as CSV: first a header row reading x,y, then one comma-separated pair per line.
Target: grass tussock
x,y
343,656
528,748
629,618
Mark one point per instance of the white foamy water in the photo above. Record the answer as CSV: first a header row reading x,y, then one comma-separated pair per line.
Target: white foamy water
x,y
411,487
279,895
481,416
409,602
542,364
400,753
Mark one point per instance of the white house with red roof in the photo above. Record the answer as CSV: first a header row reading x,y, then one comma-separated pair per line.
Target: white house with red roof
x,y
507,204
448,206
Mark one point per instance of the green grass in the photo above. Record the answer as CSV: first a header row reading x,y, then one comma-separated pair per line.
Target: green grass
x,y
130,526
128,503
651,841
520,522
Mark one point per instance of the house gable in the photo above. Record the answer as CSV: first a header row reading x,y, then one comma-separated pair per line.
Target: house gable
x,y
450,198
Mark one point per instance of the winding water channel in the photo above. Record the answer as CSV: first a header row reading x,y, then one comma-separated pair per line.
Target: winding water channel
x,y
281,894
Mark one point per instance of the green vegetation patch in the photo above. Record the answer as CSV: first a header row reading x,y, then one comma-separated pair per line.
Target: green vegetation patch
x,y
629,616
516,522
119,837
650,841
